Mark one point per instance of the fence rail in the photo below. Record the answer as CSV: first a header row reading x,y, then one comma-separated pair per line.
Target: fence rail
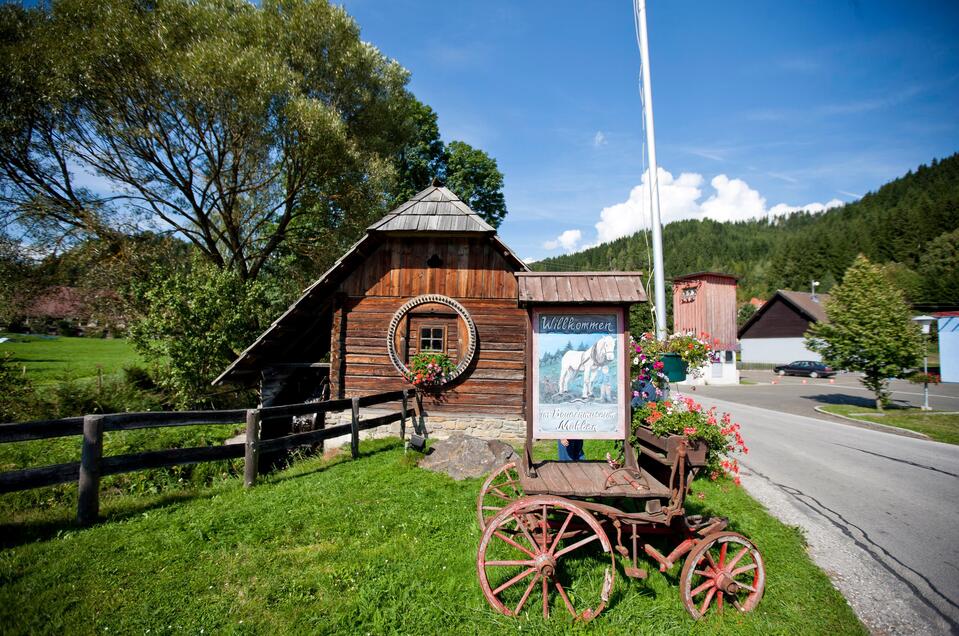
x,y
93,464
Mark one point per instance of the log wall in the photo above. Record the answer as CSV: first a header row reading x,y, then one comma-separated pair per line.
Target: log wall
x,y
472,273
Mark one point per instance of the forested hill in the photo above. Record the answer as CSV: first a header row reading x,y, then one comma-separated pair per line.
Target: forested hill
x,y
911,224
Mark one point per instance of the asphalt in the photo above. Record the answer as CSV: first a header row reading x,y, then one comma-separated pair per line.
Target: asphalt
x,y
880,511
791,395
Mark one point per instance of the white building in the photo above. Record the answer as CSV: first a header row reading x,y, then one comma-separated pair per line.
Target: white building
x,y
774,334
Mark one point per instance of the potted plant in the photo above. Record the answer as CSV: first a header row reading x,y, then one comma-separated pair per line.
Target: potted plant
x,y
684,416
430,371
669,360
922,377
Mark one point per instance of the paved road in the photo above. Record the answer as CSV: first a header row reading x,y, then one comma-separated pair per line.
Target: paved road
x,y
792,396
880,511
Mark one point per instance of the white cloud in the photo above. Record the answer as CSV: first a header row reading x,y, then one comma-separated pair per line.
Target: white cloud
x,y
680,198
677,200
783,209
568,240
734,200
599,139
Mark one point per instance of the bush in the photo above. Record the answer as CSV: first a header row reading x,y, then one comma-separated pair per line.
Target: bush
x,y
66,328
139,378
18,398
194,325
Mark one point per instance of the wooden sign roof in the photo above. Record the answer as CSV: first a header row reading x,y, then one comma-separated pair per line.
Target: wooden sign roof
x,y
613,288
435,209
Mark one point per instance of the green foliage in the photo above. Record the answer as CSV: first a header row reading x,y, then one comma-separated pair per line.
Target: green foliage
x,y
423,158
869,329
468,172
745,313
913,221
474,177
195,324
17,394
255,131
339,546
221,121
938,269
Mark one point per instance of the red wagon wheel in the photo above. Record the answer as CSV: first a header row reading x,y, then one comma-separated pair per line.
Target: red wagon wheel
x,y
499,490
536,543
725,568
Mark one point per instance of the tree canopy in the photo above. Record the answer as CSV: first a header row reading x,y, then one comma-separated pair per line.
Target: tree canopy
x,y
869,329
240,128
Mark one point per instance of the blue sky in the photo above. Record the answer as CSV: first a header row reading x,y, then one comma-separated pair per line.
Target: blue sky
x,y
760,106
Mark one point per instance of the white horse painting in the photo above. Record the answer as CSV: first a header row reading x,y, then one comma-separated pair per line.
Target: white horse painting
x,y
600,355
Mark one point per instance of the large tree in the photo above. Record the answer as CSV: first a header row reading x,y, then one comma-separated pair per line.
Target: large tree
x,y
469,172
869,329
238,127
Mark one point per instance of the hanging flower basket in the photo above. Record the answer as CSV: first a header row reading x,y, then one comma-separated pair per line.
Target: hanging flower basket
x,y
674,367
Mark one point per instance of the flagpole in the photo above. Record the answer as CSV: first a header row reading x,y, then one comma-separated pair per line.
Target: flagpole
x,y
659,279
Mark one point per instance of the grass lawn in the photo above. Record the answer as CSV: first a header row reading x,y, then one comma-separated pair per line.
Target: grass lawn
x,y
938,426
370,546
52,358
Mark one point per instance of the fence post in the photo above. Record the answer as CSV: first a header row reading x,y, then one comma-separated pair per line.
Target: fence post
x,y
403,415
319,423
88,496
355,429
251,460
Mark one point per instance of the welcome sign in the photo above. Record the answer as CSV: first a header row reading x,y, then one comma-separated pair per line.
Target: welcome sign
x,y
579,373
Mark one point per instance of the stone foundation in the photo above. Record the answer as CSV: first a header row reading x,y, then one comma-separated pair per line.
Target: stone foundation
x,y
508,428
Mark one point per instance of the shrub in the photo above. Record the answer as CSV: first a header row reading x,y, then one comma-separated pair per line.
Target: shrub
x,y
18,398
195,324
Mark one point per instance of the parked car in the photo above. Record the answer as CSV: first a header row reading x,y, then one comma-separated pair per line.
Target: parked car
x,y
808,368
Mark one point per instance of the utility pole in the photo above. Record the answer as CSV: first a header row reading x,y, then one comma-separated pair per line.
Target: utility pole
x,y
659,279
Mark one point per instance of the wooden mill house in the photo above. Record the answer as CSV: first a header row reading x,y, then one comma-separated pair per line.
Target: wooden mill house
x,y
431,275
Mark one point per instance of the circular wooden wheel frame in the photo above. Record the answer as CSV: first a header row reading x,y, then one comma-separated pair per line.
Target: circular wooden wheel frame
x,y
725,568
531,530
499,490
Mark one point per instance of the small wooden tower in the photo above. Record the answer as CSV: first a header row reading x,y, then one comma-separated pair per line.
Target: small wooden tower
x,y
705,302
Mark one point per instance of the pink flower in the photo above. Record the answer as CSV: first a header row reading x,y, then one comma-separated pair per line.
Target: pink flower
x,y
689,430
658,365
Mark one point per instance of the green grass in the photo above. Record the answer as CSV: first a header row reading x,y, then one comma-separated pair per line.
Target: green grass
x,y
938,426
370,546
50,359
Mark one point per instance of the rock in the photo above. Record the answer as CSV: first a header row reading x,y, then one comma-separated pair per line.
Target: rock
x,y
463,456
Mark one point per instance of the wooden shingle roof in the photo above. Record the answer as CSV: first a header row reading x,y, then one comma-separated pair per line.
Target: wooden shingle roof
x,y
580,287
435,209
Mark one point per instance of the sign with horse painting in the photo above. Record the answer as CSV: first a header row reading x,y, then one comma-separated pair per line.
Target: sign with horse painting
x,y
579,369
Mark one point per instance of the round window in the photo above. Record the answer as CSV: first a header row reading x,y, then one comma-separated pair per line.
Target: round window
x,y
412,329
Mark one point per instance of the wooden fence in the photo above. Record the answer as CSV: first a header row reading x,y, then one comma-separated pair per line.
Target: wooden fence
x,y
93,465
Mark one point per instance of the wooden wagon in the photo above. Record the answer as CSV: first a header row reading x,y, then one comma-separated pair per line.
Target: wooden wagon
x,y
558,526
